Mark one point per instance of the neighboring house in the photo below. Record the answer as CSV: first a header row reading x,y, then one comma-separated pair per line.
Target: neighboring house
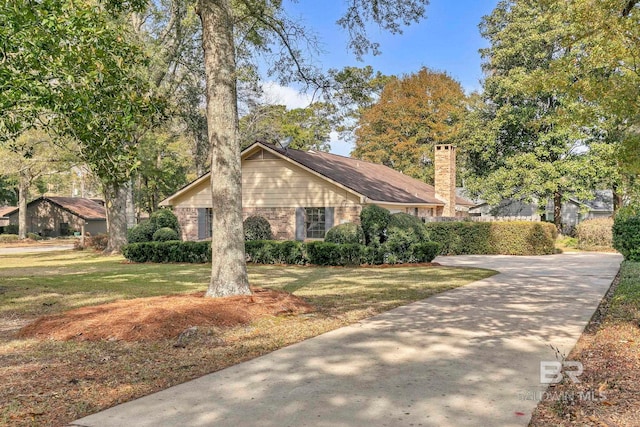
x,y
4,218
573,211
304,193
62,216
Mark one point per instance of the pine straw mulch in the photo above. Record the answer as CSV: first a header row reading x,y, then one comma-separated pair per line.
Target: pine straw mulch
x,y
155,318
88,359
609,392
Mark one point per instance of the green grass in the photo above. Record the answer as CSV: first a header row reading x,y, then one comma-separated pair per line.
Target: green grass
x,y
44,283
37,385
625,304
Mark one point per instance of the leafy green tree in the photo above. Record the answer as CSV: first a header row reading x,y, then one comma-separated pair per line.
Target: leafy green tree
x,y
412,115
599,67
270,26
164,159
308,128
518,141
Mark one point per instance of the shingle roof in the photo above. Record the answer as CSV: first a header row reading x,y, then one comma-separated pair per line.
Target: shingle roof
x,y
84,208
376,182
6,210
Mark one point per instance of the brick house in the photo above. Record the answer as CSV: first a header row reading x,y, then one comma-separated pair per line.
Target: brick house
x,y
62,216
304,193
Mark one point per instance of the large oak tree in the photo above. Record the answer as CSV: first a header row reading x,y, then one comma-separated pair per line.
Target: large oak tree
x,y
270,27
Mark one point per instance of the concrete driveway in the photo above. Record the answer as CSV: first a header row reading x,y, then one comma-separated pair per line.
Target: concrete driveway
x,y
467,357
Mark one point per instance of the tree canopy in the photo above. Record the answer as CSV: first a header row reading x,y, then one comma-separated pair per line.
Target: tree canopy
x,y
413,114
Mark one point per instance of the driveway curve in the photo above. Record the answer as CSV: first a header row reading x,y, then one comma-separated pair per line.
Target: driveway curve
x,y
467,357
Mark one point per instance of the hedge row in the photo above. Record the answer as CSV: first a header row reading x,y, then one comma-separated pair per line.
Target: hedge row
x,y
493,238
164,252
284,252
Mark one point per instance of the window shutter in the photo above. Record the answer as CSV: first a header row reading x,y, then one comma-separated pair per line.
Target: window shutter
x,y
328,218
202,224
301,231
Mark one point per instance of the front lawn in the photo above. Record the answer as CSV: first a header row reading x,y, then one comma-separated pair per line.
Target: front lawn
x,y
49,382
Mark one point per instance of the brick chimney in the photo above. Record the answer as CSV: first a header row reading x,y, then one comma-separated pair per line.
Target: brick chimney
x,y
445,177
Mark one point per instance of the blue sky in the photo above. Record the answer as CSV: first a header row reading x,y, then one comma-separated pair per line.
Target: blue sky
x,y
448,40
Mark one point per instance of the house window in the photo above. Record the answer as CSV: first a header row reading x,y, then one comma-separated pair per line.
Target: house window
x,y
64,229
208,222
315,223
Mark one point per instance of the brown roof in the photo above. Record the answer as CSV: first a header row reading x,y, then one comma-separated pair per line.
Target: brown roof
x,y
6,210
84,208
376,182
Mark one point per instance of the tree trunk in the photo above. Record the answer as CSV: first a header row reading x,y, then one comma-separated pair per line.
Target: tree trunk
x,y
617,198
228,269
130,207
23,195
557,211
116,202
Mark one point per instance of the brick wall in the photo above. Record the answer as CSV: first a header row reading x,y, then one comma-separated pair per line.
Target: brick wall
x,y
188,220
282,220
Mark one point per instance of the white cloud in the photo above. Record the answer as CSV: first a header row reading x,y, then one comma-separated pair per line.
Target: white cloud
x,y
283,95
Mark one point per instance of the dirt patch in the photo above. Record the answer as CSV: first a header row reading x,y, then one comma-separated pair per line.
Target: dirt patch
x,y
156,318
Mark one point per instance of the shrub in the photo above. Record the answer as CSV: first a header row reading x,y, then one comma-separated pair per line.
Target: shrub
x,y
11,229
261,251
4,238
374,220
409,223
257,228
325,253
165,234
345,233
397,248
523,238
34,236
143,232
275,252
165,252
626,232
291,252
99,242
164,218
503,238
461,237
594,234
425,252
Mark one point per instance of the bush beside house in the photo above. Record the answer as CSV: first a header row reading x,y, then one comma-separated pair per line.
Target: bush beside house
x,y
390,239
626,232
146,230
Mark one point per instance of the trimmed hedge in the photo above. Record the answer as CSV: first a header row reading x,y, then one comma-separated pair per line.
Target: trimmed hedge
x,y
345,233
164,252
493,238
626,232
280,252
145,230
257,228
164,218
595,234
165,234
